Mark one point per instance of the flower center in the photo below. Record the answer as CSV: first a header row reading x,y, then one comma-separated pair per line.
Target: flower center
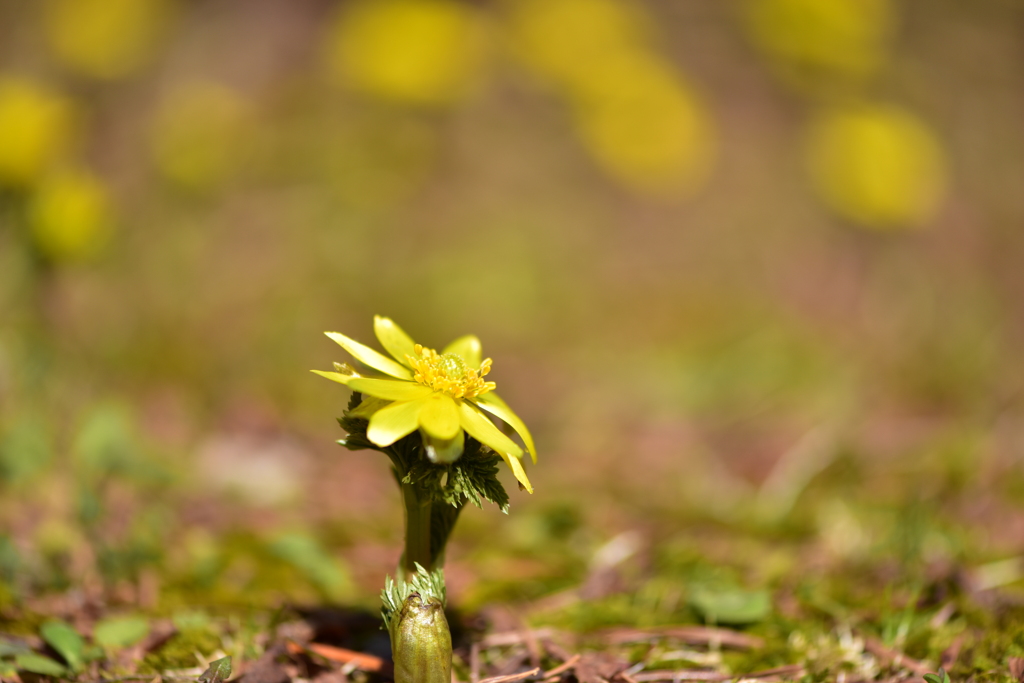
x,y
449,373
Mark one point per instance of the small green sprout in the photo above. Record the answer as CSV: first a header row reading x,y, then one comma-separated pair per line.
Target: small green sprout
x,y
413,613
941,677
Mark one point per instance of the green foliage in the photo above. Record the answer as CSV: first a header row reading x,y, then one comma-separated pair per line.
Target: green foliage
x,y
38,664
306,554
66,641
107,445
429,585
356,427
720,605
25,450
471,478
119,632
10,647
218,672
197,633
191,620
941,677
9,559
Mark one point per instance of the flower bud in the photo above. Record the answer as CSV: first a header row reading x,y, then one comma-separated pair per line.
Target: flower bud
x,y
421,644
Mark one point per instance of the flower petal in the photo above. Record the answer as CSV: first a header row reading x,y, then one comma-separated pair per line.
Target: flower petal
x,y
520,473
391,389
390,424
368,407
376,360
483,430
444,452
469,348
493,404
440,417
394,339
334,376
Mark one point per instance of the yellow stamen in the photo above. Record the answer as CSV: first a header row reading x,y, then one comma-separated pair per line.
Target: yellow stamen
x,y
447,372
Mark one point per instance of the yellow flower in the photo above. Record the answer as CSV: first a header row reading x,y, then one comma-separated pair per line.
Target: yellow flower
x,y
878,165
420,52
443,394
71,215
36,130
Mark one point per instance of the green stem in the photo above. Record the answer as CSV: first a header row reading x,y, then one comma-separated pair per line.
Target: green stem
x,y
417,528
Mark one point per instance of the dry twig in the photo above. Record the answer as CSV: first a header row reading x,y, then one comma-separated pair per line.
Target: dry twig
x,y
515,637
788,671
340,655
1017,668
563,667
512,677
693,635
892,657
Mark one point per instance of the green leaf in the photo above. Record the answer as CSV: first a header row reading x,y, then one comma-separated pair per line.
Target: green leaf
x,y
472,478
93,652
10,647
24,451
65,640
116,633
731,606
190,620
307,555
38,664
218,672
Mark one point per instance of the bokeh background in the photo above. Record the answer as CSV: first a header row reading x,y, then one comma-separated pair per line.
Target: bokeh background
x,y
751,270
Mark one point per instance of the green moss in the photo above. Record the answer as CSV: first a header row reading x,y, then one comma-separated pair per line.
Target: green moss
x,y
180,651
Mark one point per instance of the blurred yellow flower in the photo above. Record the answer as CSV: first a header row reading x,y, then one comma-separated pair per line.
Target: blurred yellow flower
x,y
879,166
644,126
106,39
443,394
425,52
812,42
198,134
560,39
70,215
36,126
635,115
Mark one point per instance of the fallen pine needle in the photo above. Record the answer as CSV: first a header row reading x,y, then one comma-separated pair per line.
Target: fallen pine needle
x,y
515,637
790,670
512,677
340,655
682,675
694,635
564,666
894,657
